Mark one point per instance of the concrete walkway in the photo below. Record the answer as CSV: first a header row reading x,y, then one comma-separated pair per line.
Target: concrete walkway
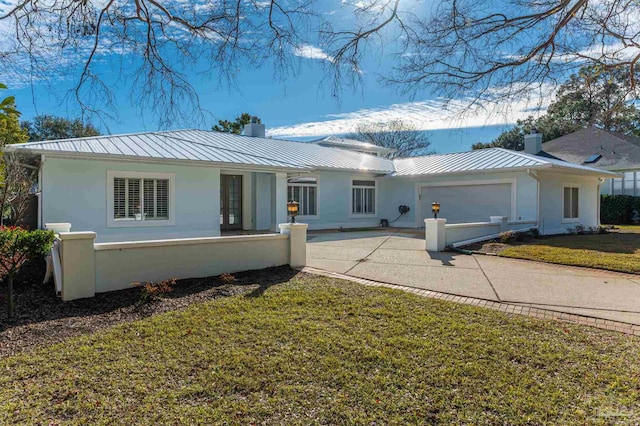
x,y
399,258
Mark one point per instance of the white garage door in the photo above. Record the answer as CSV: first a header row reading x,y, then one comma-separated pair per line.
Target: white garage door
x,y
468,203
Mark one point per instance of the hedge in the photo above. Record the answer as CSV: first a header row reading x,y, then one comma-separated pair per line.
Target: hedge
x,y
618,209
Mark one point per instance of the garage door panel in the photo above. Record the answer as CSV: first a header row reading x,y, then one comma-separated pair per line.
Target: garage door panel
x,y
468,203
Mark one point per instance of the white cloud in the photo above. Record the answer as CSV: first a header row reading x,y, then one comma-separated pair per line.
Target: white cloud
x,y
424,115
312,52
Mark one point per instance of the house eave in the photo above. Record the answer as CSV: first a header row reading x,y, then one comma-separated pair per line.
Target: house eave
x,y
151,160
548,167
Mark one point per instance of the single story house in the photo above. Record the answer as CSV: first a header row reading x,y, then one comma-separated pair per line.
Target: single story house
x,y
605,150
196,183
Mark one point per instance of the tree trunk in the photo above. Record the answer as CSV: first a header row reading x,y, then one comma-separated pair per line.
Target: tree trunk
x,y
10,304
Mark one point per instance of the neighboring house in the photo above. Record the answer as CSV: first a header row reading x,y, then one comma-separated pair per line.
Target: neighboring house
x,y
353,145
193,183
605,150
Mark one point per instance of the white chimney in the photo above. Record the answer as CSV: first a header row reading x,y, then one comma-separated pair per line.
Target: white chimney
x,y
533,142
254,129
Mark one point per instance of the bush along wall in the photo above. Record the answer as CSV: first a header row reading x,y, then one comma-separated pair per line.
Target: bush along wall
x,y
619,209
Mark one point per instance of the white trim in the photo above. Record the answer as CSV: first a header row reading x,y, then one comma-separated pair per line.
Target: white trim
x,y
571,219
512,181
170,161
376,190
187,241
120,223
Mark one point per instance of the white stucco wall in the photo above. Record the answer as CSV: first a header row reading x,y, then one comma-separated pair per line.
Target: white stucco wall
x,y
334,201
263,200
118,265
551,202
397,191
75,191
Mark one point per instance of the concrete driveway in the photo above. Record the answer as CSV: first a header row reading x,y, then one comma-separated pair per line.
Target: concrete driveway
x,y
398,257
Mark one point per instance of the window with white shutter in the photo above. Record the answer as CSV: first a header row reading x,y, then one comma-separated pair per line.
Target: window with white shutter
x,y
140,198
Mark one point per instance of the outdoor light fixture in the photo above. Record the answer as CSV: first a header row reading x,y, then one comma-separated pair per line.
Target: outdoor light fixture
x,y
292,210
435,208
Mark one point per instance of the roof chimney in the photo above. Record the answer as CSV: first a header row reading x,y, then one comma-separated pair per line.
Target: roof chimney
x,y
533,142
255,128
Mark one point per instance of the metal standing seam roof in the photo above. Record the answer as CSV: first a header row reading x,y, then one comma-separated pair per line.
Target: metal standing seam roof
x,y
209,146
301,153
149,145
351,143
216,147
480,160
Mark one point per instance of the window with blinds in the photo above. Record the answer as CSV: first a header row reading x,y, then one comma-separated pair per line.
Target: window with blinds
x,y
140,199
363,197
305,192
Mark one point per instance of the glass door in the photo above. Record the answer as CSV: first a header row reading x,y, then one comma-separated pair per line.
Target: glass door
x,y
230,202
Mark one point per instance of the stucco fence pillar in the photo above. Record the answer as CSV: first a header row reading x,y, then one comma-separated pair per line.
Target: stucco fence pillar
x,y
297,243
435,238
500,220
77,257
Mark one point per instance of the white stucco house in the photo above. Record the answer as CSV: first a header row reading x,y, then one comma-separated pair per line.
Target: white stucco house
x,y
193,183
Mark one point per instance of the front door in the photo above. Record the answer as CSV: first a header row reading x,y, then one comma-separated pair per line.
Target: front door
x,y
230,202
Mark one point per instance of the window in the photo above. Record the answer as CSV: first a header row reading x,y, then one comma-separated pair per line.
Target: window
x,y
571,202
363,197
139,199
304,190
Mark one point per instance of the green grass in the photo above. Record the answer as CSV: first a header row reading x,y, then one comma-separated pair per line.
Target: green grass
x,y
615,251
323,351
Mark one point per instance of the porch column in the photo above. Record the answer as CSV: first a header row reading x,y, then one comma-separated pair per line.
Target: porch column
x,y
279,200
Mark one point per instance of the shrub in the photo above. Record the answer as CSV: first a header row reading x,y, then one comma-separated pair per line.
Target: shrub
x,y
535,232
506,237
17,247
152,291
227,278
618,209
586,230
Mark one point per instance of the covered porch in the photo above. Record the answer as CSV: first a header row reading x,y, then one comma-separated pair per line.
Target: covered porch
x,y
252,201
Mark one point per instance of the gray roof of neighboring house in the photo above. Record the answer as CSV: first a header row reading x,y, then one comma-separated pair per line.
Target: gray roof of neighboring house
x,y
225,148
618,151
214,147
480,160
351,143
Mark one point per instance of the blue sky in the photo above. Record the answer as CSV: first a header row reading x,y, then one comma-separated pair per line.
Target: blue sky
x,y
299,107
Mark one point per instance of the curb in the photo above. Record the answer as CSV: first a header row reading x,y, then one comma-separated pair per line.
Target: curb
x,y
509,308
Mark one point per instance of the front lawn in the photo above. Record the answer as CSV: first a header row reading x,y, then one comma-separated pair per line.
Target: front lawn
x,y
616,251
629,228
323,351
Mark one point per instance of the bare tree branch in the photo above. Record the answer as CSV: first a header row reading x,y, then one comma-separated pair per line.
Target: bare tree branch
x,y
476,49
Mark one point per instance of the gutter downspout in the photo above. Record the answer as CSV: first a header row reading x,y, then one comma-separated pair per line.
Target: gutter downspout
x,y
40,193
535,176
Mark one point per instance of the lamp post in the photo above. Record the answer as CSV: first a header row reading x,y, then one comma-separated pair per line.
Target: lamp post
x,y
435,209
292,210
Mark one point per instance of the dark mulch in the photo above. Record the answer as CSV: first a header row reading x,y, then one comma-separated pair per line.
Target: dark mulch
x,y
43,319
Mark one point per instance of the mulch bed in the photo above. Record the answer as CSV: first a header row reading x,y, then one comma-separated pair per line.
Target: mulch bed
x,y
43,319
